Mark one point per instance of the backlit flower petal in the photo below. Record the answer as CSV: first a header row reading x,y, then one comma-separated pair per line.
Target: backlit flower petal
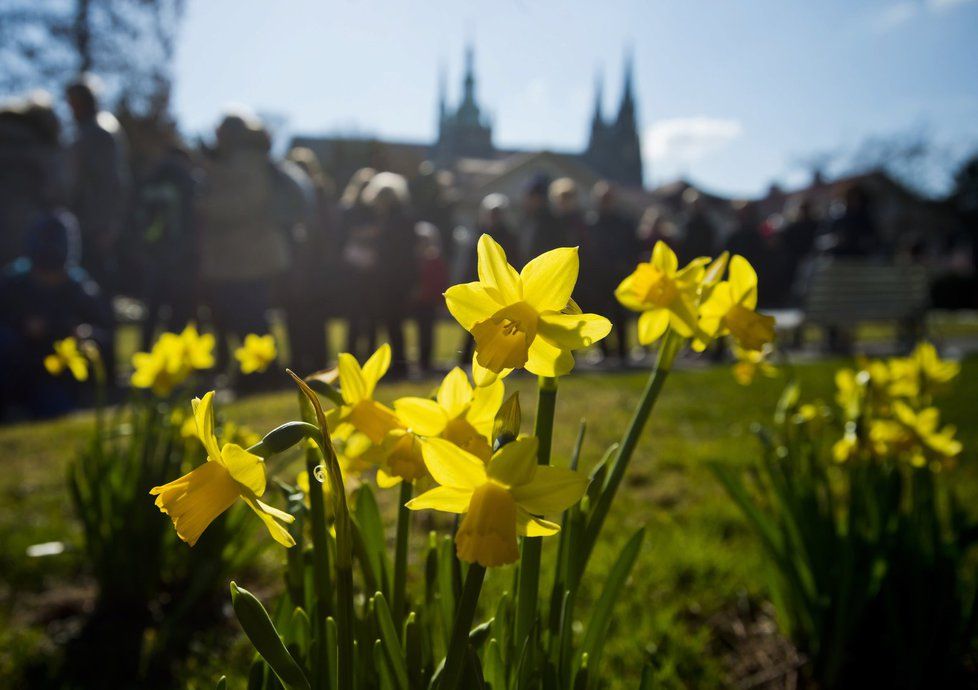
x,y
268,515
551,491
495,271
449,465
664,258
487,533
651,325
515,463
375,367
549,279
353,387
546,359
573,331
455,393
246,468
444,498
204,416
743,282
470,303
422,416
485,404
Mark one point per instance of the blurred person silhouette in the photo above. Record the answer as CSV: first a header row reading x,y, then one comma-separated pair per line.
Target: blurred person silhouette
x,y
854,232
46,297
98,180
243,246
798,243
746,239
494,221
387,197
565,203
295,213
433,199
168,244
314,264
698,234
32,168
611,253
539,231
432,283
654,227
358,237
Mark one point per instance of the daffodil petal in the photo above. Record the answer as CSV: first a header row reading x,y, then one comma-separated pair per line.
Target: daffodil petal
x,y
651,325
455,393
204,416
451,466
194,500
485,404
470,303
625,294
573,331
664,258
387,481
546,359
268,516
515,464
422,416
743,281
246,468
482,376
531,526
549,279
444,498
375,367
353,387
551,491
495,271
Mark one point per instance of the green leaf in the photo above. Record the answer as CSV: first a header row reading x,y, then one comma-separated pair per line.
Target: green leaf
x,y
596,632
258,627
382,665
370,524
494,670
390,642
222,683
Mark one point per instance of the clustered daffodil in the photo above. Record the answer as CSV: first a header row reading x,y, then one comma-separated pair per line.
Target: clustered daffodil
x,y
507,496
67,356
172,359
256,353
665,295
731,308
885,406
194,500
459,413
357,384
526,319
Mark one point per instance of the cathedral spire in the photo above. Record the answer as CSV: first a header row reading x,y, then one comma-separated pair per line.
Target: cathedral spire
x,y
598,117
626,112
469,84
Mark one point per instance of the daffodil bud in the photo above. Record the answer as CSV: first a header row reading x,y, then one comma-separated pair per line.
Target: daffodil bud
x,y
284,437
261,631
506,426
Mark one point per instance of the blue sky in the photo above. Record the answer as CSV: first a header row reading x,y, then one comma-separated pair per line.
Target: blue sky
x,y
731,93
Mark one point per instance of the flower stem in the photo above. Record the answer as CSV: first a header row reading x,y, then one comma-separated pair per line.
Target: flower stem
x,y
458,646
663,365
401,553
529,579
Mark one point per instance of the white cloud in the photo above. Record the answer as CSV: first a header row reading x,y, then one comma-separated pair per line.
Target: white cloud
x,y
677,142
899,13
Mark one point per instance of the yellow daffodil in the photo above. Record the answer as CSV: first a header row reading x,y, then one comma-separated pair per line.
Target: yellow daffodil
x,y
506,497
526,319
401,459
359,409
750,363
923,373
256,353
194,500
665,295
172,359
730,308
932,442
459,413
68,356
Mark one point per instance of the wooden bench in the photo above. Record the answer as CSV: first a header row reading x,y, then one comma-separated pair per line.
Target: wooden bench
x,y
844,293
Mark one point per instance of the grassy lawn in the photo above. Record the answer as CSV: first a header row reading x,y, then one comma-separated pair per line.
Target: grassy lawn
x,y
698,559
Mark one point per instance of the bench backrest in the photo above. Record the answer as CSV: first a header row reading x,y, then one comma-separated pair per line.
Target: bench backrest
x,y
847,291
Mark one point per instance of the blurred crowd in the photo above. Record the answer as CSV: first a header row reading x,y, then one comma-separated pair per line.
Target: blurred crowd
x,y
224,233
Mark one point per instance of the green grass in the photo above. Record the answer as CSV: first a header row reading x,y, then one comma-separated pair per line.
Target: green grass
x,y
698,556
